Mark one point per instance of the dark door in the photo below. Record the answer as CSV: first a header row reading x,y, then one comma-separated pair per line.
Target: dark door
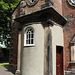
x,y
59,60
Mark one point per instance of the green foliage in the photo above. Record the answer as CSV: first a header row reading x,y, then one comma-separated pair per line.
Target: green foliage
x,y
6,7
0,47
6,65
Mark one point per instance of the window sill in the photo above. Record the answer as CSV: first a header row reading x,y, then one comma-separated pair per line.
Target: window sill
x,y
31,45
72,62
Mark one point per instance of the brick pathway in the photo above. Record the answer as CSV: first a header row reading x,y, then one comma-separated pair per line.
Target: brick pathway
x,y
4,71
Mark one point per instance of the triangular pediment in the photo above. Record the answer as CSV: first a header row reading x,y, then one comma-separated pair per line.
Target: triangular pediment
x,y
26,7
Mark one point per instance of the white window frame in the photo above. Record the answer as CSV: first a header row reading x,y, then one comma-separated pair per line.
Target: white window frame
x,y
25,37
72,49
73,53
72,1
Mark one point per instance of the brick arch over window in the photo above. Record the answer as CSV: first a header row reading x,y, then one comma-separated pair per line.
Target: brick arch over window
x,y
72,48
29,37
73,39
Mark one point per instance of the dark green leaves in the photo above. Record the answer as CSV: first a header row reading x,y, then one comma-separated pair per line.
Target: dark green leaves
x,y
6,6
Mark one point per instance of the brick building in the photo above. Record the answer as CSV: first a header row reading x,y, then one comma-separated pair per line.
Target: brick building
x,y
44,18
69,37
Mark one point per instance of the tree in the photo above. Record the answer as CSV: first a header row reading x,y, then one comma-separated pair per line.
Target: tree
x,y
6,7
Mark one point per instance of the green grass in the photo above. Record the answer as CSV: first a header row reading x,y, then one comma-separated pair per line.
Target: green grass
x,y
6,65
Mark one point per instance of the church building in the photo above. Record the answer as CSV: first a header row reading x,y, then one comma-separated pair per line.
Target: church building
x,y
69,37
41,38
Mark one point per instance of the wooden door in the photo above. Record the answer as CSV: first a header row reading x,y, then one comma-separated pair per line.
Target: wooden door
x,y
59,60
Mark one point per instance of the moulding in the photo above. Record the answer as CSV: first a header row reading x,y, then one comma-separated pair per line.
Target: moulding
x,y
71,2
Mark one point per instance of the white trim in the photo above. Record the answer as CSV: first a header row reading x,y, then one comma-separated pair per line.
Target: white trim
x,y
71,2
29,45
26,39
72,53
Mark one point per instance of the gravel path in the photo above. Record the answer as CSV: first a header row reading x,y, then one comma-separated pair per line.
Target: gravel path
x,y
4,71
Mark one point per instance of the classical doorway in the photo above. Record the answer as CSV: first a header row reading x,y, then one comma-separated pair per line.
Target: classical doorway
x,y
59,60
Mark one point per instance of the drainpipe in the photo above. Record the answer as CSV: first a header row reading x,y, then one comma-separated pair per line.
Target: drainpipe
x,y
19,55
49,47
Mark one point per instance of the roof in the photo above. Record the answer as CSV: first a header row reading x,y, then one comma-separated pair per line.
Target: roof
x,y
43,15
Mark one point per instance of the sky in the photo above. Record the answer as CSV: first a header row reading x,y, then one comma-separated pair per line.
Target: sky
x,y
2,45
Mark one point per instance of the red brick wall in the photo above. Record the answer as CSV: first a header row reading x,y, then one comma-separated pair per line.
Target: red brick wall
x,y
30,9
35,7
67,9
14,42
69,30
58,6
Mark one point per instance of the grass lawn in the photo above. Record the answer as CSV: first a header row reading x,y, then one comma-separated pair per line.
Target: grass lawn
x,y
6,65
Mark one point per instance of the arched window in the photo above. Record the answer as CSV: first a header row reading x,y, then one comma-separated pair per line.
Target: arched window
x,y
29,36
72,47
